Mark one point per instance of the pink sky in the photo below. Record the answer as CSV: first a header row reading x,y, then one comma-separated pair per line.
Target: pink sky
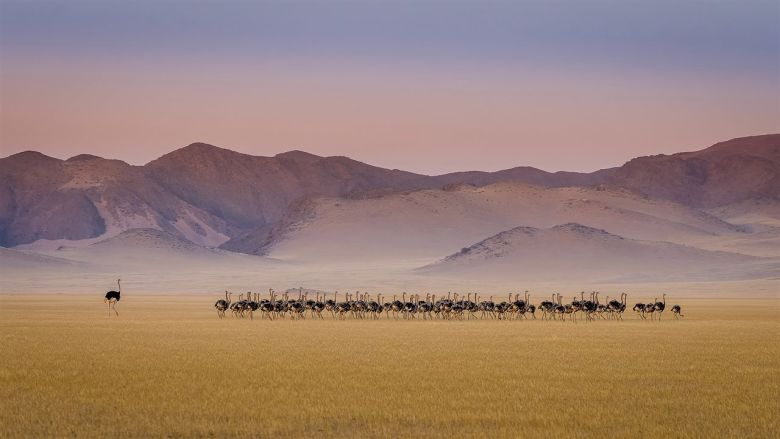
x,y
475,85
418,121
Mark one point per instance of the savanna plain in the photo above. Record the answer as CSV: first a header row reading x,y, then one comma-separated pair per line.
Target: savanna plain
x,y
168,367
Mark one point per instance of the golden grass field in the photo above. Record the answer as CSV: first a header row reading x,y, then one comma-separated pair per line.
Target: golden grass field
x,y
168,367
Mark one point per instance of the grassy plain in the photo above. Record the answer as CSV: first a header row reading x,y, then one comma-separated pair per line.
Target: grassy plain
x,y
168,367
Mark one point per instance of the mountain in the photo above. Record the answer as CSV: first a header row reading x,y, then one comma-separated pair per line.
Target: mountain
x,y
88,197
213,196
202,193
725,173
250,191
576,252
524,174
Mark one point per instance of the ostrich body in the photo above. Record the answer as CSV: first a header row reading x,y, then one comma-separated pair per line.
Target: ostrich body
x,y
676,311
650,309
222,305
660,306
640,309
112,297
547,307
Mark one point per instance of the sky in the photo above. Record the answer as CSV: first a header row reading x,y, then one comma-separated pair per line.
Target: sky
x,y
426,86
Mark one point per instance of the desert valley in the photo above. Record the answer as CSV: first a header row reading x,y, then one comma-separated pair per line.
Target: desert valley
x,y
701,227
389,219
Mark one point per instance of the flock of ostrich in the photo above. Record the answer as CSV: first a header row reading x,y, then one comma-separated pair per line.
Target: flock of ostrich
x,y
451,307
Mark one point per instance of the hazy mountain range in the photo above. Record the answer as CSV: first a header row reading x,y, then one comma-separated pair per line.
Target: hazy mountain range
x,y
691,212
209,194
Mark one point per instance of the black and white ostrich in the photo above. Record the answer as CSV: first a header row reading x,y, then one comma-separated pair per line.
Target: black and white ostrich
x,y
640,309
547,307
676,311
112,297
222,305
650,309
660,306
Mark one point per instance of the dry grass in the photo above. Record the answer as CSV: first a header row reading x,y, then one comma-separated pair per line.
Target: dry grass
x,y
168,367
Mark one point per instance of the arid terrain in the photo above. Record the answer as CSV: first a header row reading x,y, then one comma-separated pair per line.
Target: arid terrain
x,y
169,367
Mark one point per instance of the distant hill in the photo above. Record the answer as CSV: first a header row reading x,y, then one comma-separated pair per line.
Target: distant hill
x,y
148,239
725,173
576,252
11,259
155,250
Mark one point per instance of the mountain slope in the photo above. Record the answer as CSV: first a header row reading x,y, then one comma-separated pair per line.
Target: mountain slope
x,y
426,224
725,173
249,191
86,196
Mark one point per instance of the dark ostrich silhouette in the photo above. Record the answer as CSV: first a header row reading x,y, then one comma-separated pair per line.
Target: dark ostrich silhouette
x,y
112,297
676,311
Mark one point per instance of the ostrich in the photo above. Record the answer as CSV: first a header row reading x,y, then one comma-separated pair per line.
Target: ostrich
x,y
252,304
319,306
238,307
268,308
589,306
650,309
676,311
112,297
410,307
660,307
558,308
547,306
222,305
640,309
623,300
613,306
397,306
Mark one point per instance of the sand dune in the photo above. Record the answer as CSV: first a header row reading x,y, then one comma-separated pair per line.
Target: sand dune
x,y
12,259
576,252
155,250
422,226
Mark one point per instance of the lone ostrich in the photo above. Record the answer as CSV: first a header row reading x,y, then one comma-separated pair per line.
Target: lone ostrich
x,y
112,297
676,311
